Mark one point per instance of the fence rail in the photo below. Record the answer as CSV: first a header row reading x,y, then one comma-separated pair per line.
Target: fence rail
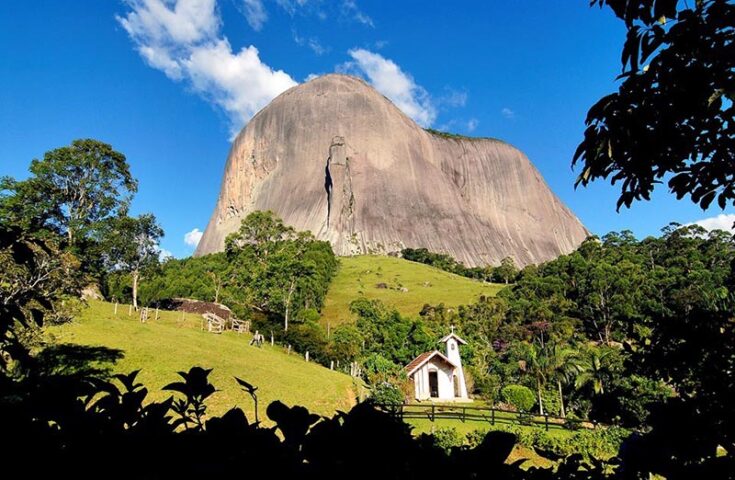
x,y
491,415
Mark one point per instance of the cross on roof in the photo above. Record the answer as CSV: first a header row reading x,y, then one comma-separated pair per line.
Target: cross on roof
x,y
451,327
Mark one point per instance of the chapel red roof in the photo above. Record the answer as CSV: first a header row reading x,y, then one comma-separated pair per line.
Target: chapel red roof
x,y
423,358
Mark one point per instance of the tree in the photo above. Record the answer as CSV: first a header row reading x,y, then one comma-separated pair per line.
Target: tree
x,y
36,279
608,295
673,115
286,267
278,269
564,367
593,370
72,190
506,271
261,230
538,362
131,245
693,430
346,343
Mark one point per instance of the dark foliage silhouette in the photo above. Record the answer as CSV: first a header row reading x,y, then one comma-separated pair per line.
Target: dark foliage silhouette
x,y
672,116
93,426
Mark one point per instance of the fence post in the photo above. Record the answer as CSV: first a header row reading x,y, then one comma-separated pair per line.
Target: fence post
x,y
464,414
546,421
306,355
115,308
331,365
130,309
433,412
492,416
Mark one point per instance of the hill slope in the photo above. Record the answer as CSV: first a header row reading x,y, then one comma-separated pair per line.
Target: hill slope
x,y
335,157
365,276
161,348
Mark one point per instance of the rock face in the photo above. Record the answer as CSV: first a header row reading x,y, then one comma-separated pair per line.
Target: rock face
x,y
335,157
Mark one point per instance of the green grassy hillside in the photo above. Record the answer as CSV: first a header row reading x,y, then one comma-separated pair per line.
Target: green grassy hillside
x,y
362,275
162,348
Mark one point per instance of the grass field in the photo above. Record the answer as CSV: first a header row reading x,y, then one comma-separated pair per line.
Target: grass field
x,y
174,342
360,276
163,347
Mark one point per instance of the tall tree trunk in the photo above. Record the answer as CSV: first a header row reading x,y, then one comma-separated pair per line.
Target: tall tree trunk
x,y
135,275
561,399
540,399
288,304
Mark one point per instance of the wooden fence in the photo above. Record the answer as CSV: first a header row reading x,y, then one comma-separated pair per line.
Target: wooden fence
x,y
464,413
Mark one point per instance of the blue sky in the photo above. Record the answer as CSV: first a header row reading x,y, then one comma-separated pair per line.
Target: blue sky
x,y
168,83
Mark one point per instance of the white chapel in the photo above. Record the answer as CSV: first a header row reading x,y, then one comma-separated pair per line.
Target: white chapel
x,y
439,376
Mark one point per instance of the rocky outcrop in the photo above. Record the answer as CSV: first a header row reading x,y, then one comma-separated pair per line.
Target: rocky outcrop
x,y
335,157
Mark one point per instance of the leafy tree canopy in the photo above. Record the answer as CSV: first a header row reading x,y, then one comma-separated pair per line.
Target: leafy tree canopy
x,y
71,189
130,244
672,116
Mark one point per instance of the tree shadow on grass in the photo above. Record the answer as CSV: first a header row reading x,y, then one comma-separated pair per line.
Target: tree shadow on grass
x,y
80,361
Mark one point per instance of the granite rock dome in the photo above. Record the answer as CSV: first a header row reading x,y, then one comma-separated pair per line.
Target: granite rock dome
x,y
335,157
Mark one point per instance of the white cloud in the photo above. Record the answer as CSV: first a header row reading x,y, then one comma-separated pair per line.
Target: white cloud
x,y
720,222
352,11
189,22
183,39
453,98
193,237
290,6
380,44
472,124
394,83
344,10
255,13
239,83
164,254
508,113
312,42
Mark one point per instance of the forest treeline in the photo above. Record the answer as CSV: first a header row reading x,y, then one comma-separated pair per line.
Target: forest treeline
x,y
268,270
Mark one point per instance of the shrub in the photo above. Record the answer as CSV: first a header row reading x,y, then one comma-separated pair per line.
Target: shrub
x,y
378,369
446,438
308,336
551,402
308,315
487,386
600,443
474,438
522,398
386,393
